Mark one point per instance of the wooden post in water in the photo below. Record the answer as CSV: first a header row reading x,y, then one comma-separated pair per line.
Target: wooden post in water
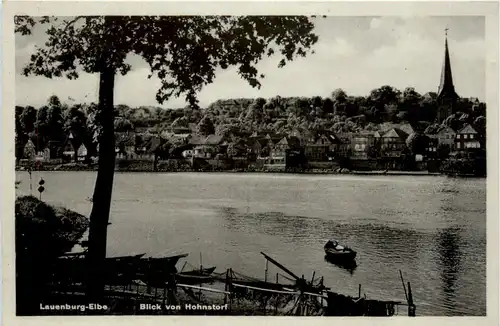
x,y
265,275
359,291
411,305
403,282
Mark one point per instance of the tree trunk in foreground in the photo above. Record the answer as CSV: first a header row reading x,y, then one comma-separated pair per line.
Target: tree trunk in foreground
x,y
99,216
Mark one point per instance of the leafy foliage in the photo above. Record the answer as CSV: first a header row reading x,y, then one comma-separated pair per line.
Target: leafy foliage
x,y
183,51
46,230
206,126
43,233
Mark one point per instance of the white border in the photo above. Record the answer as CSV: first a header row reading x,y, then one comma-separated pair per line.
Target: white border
x,y
352,8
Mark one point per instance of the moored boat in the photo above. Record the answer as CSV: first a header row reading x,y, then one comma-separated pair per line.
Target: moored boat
x,y
202,275
336,251
199,272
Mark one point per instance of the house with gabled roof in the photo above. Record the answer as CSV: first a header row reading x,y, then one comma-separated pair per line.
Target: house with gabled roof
x,y
29,150
208,147
446,136
393,142
322,147
467,138
82,153
361,144
288,145
68,147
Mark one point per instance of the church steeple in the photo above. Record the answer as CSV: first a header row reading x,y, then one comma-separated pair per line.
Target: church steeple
x,y
446,88
446,97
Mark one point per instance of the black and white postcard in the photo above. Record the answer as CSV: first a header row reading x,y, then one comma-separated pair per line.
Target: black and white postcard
x,y
320,160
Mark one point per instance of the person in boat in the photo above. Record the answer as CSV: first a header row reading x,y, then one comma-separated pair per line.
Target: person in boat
x,y
335,245
331,244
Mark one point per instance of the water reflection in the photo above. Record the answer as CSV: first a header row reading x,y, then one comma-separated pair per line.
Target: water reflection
x,y
450,257
349,265
384,242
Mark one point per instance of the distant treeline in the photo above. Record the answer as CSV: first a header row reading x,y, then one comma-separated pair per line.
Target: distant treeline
x,y
338,113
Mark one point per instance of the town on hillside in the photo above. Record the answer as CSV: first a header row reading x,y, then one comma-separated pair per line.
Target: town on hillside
x,y
388,130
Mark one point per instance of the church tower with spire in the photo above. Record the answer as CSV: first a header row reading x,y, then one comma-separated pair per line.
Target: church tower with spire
x,y
446,96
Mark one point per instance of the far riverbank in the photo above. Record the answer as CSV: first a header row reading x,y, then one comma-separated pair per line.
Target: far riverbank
x,y
82,168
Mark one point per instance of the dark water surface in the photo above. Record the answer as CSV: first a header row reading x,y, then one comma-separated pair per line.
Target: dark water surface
x,y
431,228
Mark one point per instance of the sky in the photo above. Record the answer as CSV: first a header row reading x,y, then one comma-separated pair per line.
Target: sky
x,y
356,54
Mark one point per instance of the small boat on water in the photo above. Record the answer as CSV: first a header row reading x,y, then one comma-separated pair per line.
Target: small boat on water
x,y
335,251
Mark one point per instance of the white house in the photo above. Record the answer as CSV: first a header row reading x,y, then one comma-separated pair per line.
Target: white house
x,y
82,152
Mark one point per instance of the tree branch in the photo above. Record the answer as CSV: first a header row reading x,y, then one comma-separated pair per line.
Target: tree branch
x,y
68,24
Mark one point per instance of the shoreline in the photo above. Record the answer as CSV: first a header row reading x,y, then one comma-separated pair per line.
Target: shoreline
x,y
306,172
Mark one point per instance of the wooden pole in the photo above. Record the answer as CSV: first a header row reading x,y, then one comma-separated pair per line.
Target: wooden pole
x,y
230,289
359,291
411,305
280,266
321,286
183,266
226,285
265,275
403,282
276,306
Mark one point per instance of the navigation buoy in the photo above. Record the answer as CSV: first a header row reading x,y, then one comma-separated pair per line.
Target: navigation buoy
x,y
41,188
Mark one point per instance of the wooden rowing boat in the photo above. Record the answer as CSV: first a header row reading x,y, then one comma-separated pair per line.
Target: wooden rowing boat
x,y
334,251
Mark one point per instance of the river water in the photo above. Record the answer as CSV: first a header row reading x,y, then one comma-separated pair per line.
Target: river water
x,y
431,228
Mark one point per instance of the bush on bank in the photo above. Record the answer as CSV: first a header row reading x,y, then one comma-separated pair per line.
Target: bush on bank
x,y
43,233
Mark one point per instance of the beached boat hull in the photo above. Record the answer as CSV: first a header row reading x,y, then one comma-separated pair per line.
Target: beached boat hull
x,y
196,276
198,272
